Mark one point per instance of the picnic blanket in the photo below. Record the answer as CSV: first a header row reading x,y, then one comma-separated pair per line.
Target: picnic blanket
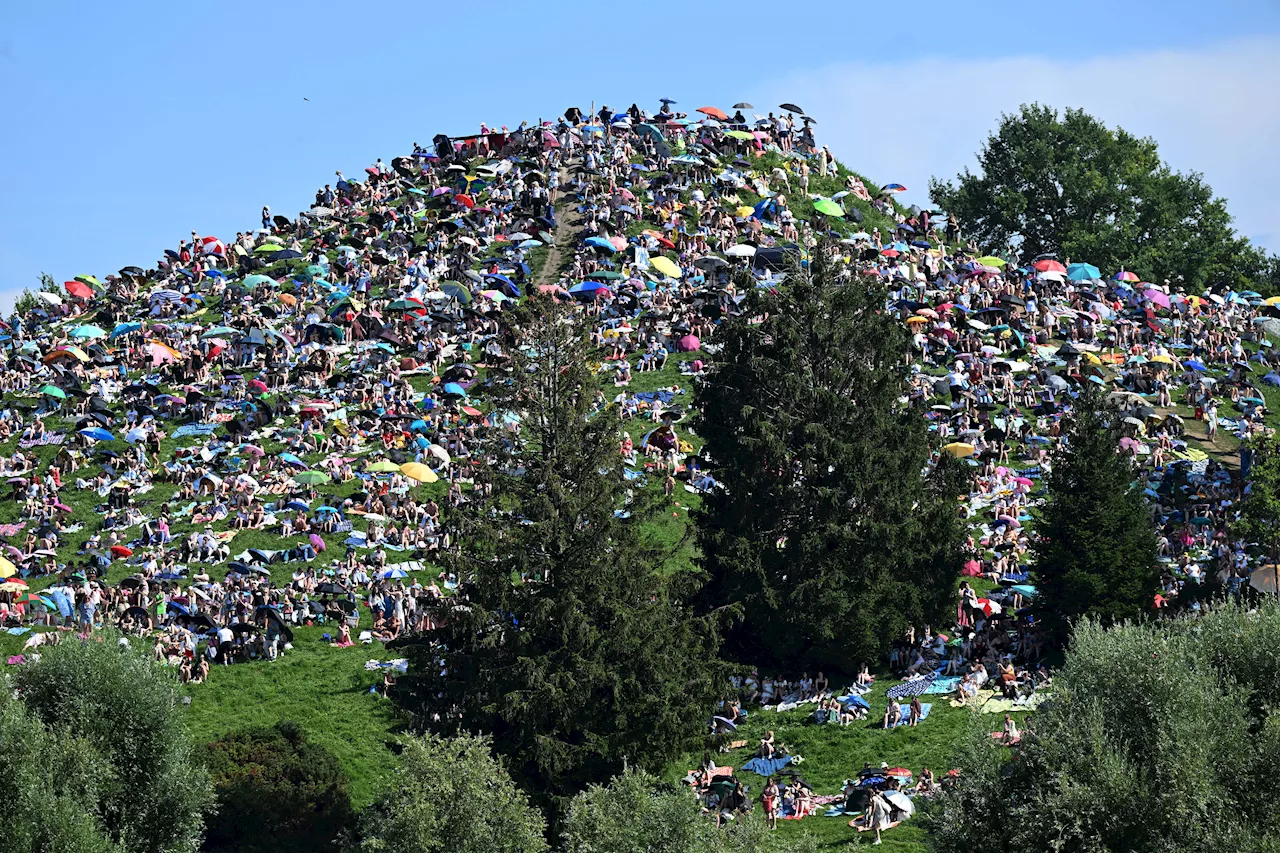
x,y
49,439
12,529
945,684
999,705
194,429
906,689
906,714
767,766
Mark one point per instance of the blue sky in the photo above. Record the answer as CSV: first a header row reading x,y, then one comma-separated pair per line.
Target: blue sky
x,y
130,124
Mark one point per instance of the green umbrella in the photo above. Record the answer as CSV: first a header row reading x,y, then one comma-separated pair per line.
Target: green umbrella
x,y
268,247
54,391
311,478
385,466
609,275
456,290
315,271
219,331
255,280
404,305
89,331
830,208
739,134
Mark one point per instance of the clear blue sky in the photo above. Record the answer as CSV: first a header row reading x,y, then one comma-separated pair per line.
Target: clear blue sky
x,y
128,125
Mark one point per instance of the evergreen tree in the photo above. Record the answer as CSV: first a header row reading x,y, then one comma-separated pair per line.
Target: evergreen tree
x,y
565,643
828,539
1095,551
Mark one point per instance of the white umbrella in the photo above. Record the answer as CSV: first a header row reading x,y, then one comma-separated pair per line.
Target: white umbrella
x,y
901,802
51,298
742,250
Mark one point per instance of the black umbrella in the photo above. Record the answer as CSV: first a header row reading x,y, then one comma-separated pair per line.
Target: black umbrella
x,y
133,271
285,255
329,588
790,108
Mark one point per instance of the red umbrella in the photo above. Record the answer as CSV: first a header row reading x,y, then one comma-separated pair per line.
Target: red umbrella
x,y
258,385
897,771
78,289
121,551
1049,265
475,413
890,253
714,112
464,199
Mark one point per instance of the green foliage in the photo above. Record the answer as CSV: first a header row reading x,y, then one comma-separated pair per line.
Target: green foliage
x,y
1074,186
636,812
450,794
826,540
276,791
1160,737
1259,520
26,300
151,794
566,644
51,787
1096,549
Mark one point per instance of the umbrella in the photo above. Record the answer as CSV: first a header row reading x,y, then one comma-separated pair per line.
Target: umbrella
x,y
791,108
665,266
418,471
960,449
311,478
393,573
713,112
97,434
1083,272
54,391
828,207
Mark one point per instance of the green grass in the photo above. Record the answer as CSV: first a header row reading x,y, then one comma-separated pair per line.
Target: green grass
x,y
834,753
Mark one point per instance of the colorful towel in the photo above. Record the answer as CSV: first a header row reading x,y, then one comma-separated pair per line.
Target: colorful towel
x,y
905,711
194,429
12,529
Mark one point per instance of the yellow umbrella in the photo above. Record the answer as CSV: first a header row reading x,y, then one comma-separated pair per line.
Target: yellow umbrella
x,y
665,266
959,449
990,261
911,321
1161,359
418,471
1272,300
8,586
744,211
1092,359
7,569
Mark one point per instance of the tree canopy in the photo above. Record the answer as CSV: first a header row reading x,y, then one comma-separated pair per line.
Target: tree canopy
x,y
451,794
1095,551
1071,185
828,539
565,641
150,793
1159,736
276,791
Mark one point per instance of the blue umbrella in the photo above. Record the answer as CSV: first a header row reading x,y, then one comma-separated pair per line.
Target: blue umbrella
x,y
419,424
455,390
1083,272
506,285
97,434
1192,364
666,100
600,243
124,329
588,287
393,574
293,460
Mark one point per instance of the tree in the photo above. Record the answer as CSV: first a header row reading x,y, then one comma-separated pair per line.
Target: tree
x,y
451,794
27,300
637,811
827,539
1095,551
276,791
151,793
1259,519
567,643
1161,736
1072,185
51,787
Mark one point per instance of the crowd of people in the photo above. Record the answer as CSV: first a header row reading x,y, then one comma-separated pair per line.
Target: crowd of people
x,y
302,385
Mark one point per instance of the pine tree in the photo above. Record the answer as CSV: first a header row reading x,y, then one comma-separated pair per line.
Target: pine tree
x,y
1096,549
564,643
828,539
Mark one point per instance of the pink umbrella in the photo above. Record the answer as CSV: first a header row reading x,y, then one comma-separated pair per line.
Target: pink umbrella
x,y
689,343
1023,481
253,449
1158,297
258,385
316,541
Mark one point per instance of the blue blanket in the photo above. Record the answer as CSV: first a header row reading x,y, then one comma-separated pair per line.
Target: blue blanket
x,y
767,766
194,429
944,684
906,713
